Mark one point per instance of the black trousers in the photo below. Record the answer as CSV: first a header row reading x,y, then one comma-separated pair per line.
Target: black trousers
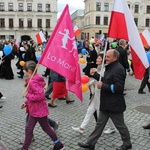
x,y
145,82
118,120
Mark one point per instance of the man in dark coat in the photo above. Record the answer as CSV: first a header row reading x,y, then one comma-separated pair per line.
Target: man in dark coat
x,y
112,102
123,56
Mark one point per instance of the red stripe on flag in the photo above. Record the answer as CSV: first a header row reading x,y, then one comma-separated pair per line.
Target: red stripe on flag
x,y
39,41
137,65
77,32
117,27
143,40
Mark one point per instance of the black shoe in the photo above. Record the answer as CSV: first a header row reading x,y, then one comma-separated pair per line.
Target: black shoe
x,y
123,147
147,126
44,75
70,101
50,105
20,73
21,77
124,94
56,148
47,97
91,95
89,146
1,106
141,92
62,98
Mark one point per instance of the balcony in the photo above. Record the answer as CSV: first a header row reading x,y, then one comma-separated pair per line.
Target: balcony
x,y
20,9
10,10
29,9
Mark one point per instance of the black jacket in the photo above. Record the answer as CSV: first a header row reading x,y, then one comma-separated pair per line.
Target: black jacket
x,y
112,101
57,78
123,57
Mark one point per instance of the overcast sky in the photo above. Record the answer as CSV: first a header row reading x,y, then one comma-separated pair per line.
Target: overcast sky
x,y
73,5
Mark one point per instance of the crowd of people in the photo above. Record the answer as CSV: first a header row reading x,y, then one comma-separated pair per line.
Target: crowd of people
x,y
107,101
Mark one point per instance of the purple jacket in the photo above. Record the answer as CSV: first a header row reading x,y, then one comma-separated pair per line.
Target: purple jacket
x,y
36,98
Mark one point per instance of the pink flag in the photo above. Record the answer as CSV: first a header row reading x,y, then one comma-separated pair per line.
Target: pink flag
x,y
123,26
40,37
61,53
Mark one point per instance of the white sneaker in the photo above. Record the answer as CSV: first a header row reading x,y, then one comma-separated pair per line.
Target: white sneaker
x,y
3,98
109,131
77,130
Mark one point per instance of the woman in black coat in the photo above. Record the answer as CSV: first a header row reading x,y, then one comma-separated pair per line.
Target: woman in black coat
x,y
6,69
91,60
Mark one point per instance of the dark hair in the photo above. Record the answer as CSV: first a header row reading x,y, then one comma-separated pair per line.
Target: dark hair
x,y
29,65
101,55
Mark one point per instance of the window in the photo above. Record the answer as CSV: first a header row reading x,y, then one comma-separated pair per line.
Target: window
x,y
97,20
20,22
29,7
1,6
29,23
129,6
48,8
39,7
106,7
2,37
148,9
88,34
136,21
11,37
97,35
147,22
11,23
10,6
98,6
105,20
20,7
2,22
47,23
39,23
136,9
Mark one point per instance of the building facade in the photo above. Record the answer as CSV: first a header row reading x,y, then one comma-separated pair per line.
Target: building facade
x,y
23,18
96,18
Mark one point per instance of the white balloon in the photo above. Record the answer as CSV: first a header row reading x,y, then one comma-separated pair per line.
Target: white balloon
x,y
1,53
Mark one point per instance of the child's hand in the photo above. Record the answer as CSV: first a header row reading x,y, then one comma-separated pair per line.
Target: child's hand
x,y
24,94
23,105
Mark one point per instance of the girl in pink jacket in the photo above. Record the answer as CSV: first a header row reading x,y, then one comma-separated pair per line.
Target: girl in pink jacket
x,y
38,107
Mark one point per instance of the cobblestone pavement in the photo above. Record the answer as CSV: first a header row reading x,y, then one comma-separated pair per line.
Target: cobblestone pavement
x,y
12,118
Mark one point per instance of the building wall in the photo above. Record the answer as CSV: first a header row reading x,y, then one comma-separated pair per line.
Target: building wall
x,y
89,27
16,31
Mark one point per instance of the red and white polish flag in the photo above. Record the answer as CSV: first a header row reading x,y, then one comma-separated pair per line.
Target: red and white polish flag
x,y
77,31
145,37
40,37
122,26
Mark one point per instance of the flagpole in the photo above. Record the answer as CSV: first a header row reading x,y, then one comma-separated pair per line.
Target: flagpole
x,y
102,68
